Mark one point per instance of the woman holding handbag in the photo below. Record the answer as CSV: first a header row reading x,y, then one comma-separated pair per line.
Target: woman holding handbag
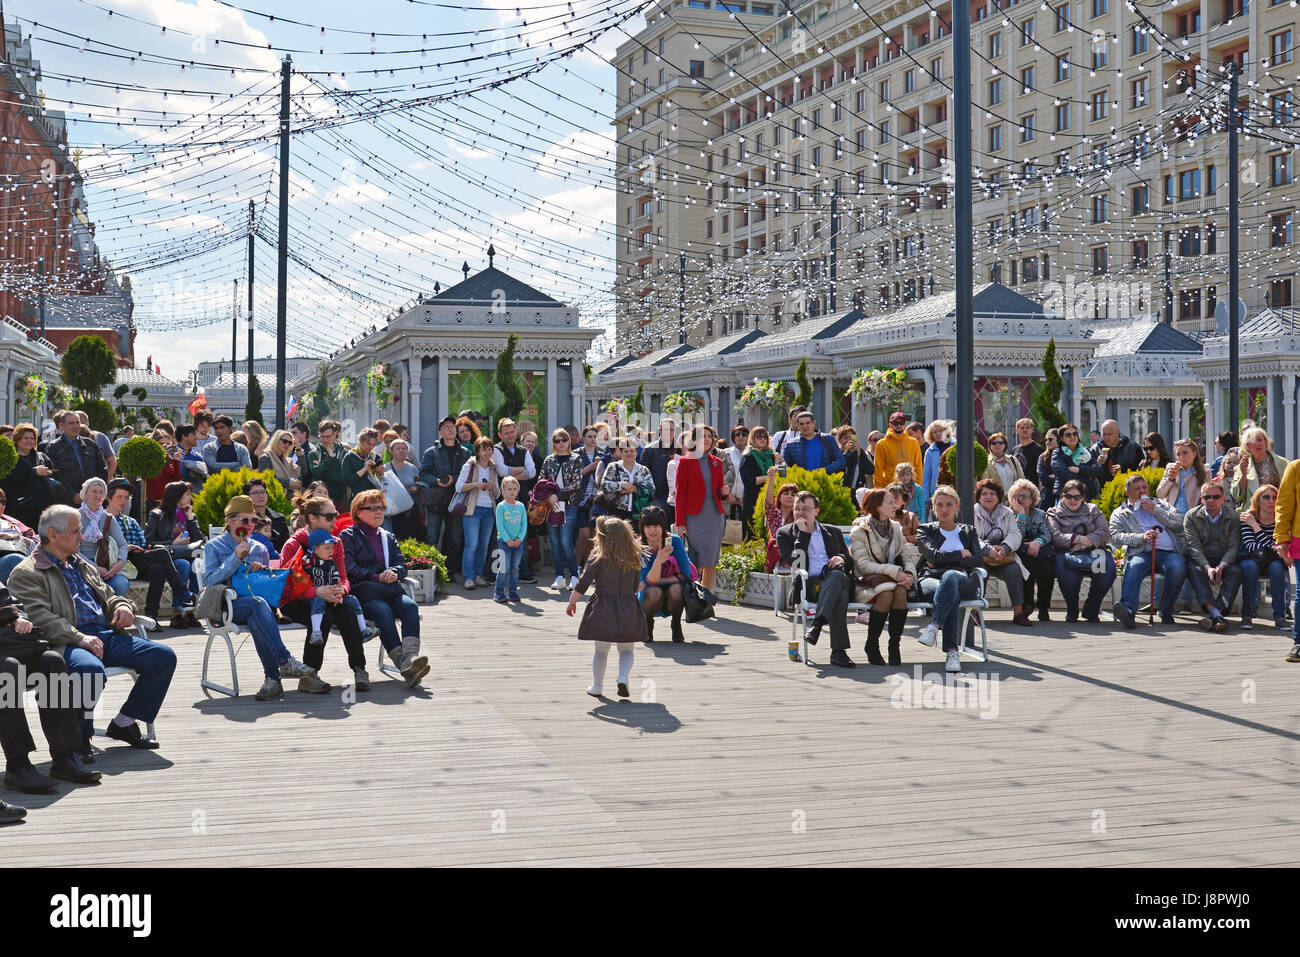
x,y
999,536
1035,551
375,568
234,552
476,495
624,483
559,483
1080,536
31,487
405,524
884,568
665,572
701,495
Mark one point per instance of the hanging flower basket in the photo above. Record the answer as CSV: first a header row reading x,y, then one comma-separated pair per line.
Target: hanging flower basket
x,y
59,396
766,396
383,383
683,403
32,391
346,390
618,402
882,385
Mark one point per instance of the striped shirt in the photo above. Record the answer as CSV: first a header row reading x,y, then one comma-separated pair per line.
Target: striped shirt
x,y
1253,541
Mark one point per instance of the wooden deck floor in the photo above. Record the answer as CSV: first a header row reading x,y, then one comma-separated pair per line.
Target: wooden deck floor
x,y
1108,748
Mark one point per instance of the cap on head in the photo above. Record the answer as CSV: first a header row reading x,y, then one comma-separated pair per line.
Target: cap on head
x,y
237,504
319,536
897,417
118,483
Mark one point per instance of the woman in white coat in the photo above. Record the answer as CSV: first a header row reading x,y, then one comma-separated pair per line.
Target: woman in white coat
x,y
999,535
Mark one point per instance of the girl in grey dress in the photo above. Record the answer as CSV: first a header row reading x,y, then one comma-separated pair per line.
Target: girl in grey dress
x,y
613,615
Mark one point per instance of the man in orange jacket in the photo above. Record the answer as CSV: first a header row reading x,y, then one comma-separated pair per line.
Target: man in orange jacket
x,y
897,446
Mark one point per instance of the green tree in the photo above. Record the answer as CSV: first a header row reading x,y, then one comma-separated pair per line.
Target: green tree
x,y
253,409
804,383
88,365
141,458
1045,405
637,405
102,416
512,398
320,402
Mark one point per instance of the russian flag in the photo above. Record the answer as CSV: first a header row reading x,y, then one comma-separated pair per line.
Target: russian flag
x,y
291,408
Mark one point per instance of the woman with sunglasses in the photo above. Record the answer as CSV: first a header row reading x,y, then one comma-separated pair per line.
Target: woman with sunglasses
x,y
757,466
1259,559
1258,466
1073,460
375,569
278,457
1079,529
1046,480
1035,551
1003,468
559,484
1156,452
321,513
223,557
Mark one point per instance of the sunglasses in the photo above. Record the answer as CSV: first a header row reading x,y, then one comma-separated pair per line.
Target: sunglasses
x,y
246,521
286,441
1067,435
559,441
1210,498
1072,497
329,515
997,442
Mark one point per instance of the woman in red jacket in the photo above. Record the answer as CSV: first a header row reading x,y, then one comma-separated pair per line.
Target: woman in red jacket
x,y
701,492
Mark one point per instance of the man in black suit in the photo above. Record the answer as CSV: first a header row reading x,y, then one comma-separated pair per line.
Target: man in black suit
x,y
805,543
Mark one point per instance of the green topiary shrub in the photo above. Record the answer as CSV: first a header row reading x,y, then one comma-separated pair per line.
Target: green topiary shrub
x,y
141,457
948,464
102,415
210,504
8,456
1112,493
837,504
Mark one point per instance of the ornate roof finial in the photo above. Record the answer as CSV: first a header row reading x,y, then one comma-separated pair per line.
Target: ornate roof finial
x,y
491,252
437,288
464,267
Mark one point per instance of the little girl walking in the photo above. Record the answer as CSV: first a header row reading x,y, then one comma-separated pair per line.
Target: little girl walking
x,y
613,615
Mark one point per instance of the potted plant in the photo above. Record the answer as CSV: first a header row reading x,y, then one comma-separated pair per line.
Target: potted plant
x,y
426,566
885,386
683,404
383,383
767,397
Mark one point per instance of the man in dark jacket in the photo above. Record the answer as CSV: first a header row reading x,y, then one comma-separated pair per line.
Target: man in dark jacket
x,y
439,467
807,544
27,658
1027,450
655,456
75,458
1115,453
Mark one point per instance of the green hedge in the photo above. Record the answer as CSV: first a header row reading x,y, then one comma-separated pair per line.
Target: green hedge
x,y
837,505
210,504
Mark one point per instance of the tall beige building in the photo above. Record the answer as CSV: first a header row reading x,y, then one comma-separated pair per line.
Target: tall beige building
x,y
756,136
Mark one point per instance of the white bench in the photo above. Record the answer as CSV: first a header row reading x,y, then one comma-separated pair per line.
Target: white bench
x,y
381,661
141,621
806,611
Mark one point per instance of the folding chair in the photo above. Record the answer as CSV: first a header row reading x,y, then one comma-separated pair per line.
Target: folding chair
x,y
805,611
141,621
977,606
381,661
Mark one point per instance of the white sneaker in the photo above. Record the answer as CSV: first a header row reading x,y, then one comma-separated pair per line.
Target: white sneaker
x,y
573,582
953,664
928,635
595,691
558,584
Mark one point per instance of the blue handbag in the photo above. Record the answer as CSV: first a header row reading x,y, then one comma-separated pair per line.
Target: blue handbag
x,y
263,583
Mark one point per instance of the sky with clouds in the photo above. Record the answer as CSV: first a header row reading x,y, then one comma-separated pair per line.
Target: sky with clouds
x,y
408,157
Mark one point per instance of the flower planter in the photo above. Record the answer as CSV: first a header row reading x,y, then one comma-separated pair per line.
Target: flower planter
x,y
758,592
426,584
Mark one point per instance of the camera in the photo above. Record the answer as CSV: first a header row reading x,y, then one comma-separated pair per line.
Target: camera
x,y
781,470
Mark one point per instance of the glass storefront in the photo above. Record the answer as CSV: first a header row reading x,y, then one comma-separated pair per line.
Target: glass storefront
x,y
477,389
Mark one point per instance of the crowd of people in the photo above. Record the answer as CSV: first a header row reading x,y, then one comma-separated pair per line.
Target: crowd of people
x,y
639,518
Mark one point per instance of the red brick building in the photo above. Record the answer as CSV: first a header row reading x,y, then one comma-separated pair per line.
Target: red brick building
x,y
44,223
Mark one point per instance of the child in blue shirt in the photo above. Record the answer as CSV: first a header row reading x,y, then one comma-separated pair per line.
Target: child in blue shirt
x,y
512,530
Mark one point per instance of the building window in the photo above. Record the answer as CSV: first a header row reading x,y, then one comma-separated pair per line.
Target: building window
x,y
1211,239
1100,56
1099,261
1189,184
1189,23
1281,109
697,68
1027,32
1027,128
1098,8
1099,105
995,92
1189,241
1189,304
1141,254
995,138
708,229
1140,41
1063,117
1279,169
995,45
883,136
1062,17
1279,292
1143,421
1099,209
936,68
1139,91
1279,46
1062,68
1279,230
1141,199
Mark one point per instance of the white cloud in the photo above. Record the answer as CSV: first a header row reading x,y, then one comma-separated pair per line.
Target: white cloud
x,y
355,193
590,150
469,150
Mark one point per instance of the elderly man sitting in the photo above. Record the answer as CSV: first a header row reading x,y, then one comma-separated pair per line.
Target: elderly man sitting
x,y
75,611
1151,532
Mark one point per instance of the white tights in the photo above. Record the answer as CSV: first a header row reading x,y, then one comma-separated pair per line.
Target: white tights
x,y
600,658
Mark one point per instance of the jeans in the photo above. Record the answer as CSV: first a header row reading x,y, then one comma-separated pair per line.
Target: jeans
x,y
1250,576
385,610
319,605
186,569
119,583
562,552
260,619
1138,569
1228,586
1295,611
478,532
159,569
1071,581
1041,580
947,593
299,611
508,570
8,563
447,534
153,663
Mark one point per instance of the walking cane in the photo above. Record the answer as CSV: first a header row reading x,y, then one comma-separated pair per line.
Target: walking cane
x,y
1151,606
